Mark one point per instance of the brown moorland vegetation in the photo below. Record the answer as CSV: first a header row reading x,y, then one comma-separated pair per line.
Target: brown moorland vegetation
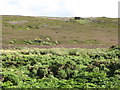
x,y
56,31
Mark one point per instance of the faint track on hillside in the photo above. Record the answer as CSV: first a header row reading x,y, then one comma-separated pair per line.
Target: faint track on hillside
x,y
56,46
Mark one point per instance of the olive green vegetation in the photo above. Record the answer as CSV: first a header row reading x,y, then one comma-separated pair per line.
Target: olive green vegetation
x,y
54,31
60,68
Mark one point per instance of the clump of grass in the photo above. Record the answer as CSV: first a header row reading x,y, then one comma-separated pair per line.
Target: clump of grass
x,y
12,42
74,41
72,51
35,42
91,42
58,51
82,21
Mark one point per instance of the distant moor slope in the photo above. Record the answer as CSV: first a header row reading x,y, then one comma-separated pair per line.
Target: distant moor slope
x,y
52,31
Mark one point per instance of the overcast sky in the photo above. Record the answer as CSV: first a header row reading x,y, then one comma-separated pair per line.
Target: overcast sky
x,y
60,8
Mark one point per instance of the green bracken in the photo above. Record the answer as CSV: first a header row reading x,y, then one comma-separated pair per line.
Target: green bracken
x,y
90,68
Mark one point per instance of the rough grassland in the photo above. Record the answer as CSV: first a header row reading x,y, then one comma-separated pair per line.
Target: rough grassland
x,y
24,30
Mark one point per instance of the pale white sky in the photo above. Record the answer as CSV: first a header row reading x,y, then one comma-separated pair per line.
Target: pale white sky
x,y
60,8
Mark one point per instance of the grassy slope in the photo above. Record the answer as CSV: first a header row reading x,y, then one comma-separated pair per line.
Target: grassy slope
x,y
66,31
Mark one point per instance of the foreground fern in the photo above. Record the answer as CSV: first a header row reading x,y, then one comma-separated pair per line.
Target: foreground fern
x,y
81,68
